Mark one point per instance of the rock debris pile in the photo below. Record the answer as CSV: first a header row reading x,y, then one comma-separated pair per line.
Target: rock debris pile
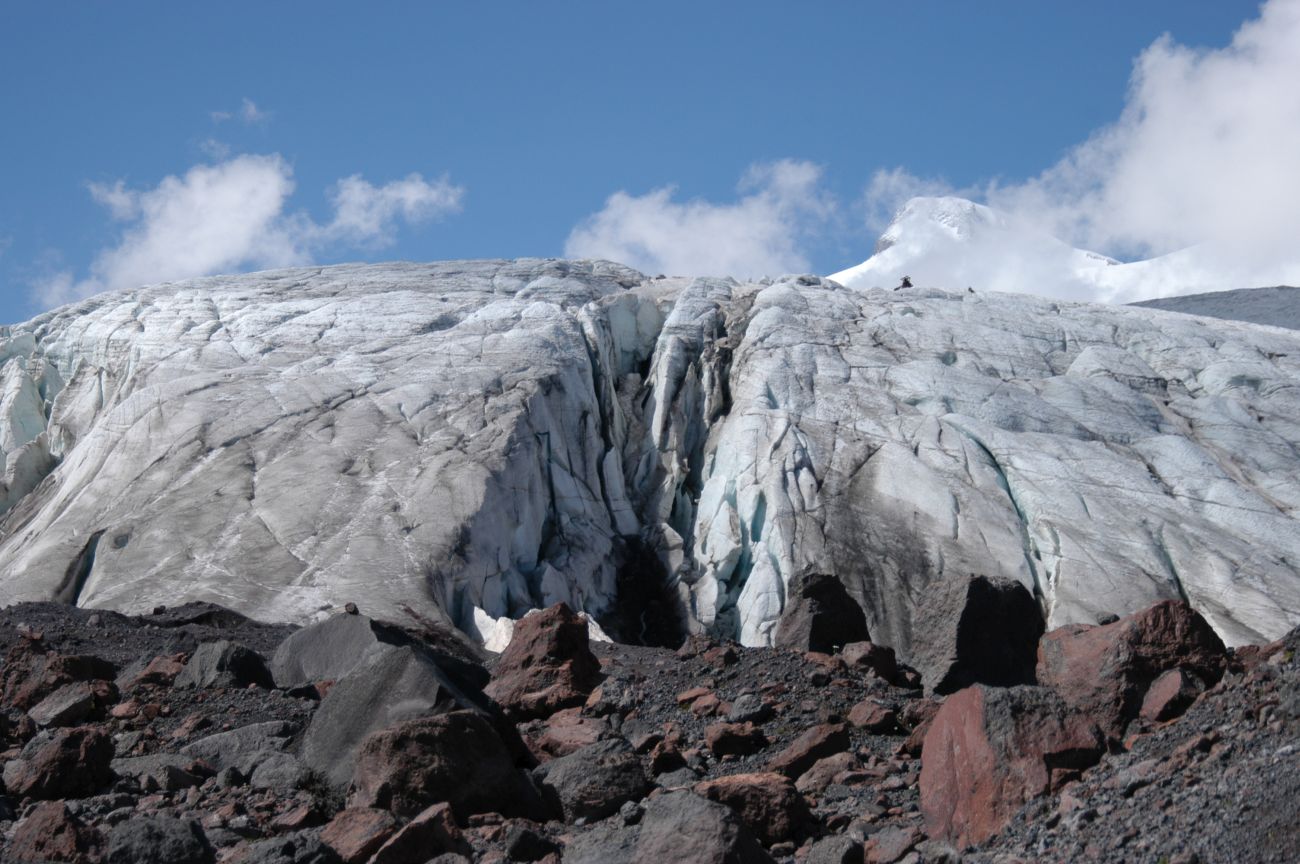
x,y
195,735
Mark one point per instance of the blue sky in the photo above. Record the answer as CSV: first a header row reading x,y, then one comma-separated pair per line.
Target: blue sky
x,y
522,119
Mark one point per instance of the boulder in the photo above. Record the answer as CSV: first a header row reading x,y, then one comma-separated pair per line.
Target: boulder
x,y
680,827
873,717
357,833
823,773
49,832
767,803
820,615
568,730
68,705
394,684
975,630
548,665
879,660
158,840
989,750
835,850
456,757
890,844
245,748
224,664
30,675
734,739
432,832
1106,670
165,772
593,782
61,763
298,847
820,741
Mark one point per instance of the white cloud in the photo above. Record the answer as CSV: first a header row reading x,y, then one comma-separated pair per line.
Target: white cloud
x,y
248,113
231,216
365,214
760,234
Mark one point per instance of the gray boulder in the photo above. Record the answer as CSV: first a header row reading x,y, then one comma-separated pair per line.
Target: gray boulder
x,y
159,840
224,664
596,780
680,827
392,685
247,748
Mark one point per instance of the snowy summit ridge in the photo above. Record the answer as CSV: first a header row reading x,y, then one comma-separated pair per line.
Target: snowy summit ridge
x,y
953,243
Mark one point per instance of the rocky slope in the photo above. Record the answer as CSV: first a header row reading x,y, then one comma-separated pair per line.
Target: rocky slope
x,y
465,441
190,736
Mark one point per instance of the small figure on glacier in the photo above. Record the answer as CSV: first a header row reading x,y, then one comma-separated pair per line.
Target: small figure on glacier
x,y
970,290
906,283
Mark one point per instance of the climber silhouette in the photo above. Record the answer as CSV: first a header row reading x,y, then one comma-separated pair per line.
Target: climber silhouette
x,y
906,283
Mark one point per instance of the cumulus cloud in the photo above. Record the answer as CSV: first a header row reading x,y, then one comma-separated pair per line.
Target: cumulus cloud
x,y
1205,151
759,234
231,216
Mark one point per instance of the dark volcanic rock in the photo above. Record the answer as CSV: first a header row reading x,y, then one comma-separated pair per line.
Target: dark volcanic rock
x,y
975,631
595,781
456,757
61,763
159,840
1105,671
820,615
680,827
989,750
31,674
224,664
548,665
393,685
300,847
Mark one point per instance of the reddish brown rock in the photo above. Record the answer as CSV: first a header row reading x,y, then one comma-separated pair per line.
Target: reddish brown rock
x,y
918,715
548,665
816,743
873,717
666,755
160,672
870,657
456,757
428,835
1106,670
61,763
1169,696
50,833
768,804
890,844
30,674
567,731
358,832
735,739
989,750
824,771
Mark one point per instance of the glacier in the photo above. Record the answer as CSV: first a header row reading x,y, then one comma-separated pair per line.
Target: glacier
x,y
466,441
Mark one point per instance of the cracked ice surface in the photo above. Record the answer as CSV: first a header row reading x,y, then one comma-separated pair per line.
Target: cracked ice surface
x,y
472,438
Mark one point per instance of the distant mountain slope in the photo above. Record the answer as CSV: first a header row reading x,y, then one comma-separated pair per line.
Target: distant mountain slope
x,y
1278,306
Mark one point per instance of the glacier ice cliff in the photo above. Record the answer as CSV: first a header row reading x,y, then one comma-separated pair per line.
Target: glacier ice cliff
x,y
475,439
